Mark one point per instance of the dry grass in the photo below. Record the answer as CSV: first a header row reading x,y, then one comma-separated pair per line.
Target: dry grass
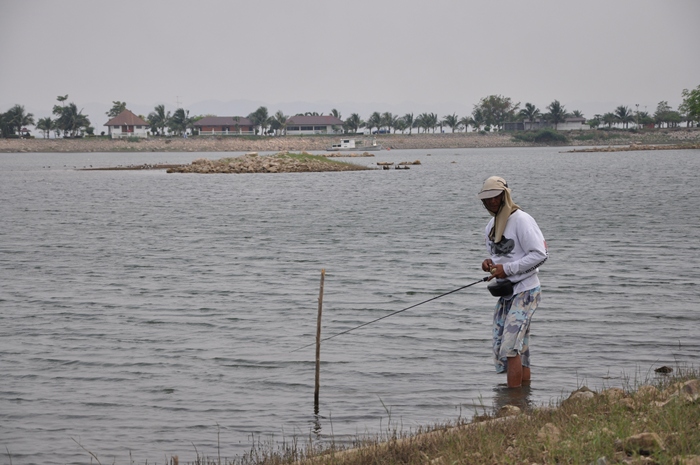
x,y
586,428
594,429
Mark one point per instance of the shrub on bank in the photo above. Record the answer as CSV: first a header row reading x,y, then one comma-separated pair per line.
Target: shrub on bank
x,y
544,136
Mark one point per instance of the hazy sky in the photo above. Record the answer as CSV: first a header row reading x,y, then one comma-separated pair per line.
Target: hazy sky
x,y
228,57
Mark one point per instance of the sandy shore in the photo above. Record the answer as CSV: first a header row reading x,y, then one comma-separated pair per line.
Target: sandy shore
x,y
321,143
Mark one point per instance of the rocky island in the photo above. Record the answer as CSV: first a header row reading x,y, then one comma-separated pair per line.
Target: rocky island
x,y
283,162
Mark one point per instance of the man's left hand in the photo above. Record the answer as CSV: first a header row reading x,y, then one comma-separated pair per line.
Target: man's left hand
x,y
497,272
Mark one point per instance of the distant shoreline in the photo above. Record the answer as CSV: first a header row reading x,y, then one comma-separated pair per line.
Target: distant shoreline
x,y
321,143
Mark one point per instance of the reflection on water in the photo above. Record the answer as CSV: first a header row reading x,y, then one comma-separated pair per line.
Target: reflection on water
x,y
316,428
518,397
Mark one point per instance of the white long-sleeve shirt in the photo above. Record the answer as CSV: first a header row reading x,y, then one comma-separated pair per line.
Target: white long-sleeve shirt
x,y
521,250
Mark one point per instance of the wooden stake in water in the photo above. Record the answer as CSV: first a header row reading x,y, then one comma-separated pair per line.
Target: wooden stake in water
x,y
318,340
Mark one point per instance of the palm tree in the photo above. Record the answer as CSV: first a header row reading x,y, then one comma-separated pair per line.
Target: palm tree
x,y
400,125
395,121
432,121
374,121
408,119
387,121
557,113
451,121
158,119
336,113
279,122
16,118
71,121
420,122
180,121
354,122
45,125
260,118
577,114
466,122
609,119
623,115
530,113
427,121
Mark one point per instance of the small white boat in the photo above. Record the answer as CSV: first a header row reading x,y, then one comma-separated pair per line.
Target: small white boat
x,y
350,145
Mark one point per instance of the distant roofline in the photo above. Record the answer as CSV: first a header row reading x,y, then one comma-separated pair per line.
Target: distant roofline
x,y
126,118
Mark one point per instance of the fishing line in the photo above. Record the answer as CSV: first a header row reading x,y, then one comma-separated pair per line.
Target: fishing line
x,y
394,313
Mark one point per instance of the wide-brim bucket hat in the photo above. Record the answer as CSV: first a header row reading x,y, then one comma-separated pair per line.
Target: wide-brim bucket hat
x,y
492,187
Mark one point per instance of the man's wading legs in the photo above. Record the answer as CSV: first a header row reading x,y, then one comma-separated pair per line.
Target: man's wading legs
x,y
517,373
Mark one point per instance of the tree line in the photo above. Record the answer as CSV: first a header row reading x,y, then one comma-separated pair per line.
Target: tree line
x,y
490,114
69,121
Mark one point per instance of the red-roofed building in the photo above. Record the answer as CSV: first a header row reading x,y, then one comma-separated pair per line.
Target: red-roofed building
x,y
301,124
224,125
127,124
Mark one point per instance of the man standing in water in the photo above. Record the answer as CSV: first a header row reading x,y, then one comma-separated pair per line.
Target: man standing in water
x,y
517,248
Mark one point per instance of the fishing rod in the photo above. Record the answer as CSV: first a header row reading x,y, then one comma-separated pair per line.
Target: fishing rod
x,y
396,312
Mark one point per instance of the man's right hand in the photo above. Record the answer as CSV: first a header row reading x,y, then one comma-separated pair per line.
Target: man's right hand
x,y
486,265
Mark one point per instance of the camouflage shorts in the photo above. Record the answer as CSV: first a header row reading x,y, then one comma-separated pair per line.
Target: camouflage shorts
x,y
511,328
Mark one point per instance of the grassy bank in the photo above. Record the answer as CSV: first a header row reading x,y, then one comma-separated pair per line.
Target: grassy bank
x,y
655,423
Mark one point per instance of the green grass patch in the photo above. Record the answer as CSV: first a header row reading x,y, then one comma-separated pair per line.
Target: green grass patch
x,y
303,156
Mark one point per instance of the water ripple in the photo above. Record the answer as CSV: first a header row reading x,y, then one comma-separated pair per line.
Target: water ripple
x,y
143,312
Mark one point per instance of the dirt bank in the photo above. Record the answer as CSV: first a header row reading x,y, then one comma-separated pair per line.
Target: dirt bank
x,y
633,147
250,144
321,143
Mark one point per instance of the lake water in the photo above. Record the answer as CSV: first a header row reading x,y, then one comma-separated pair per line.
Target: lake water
x,y
146,314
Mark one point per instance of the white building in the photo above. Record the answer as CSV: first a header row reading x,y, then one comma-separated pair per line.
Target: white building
x,y
572,123
127,124
302,124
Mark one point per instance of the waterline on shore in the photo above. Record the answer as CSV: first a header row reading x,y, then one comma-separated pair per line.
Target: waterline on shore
x,y
321,143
